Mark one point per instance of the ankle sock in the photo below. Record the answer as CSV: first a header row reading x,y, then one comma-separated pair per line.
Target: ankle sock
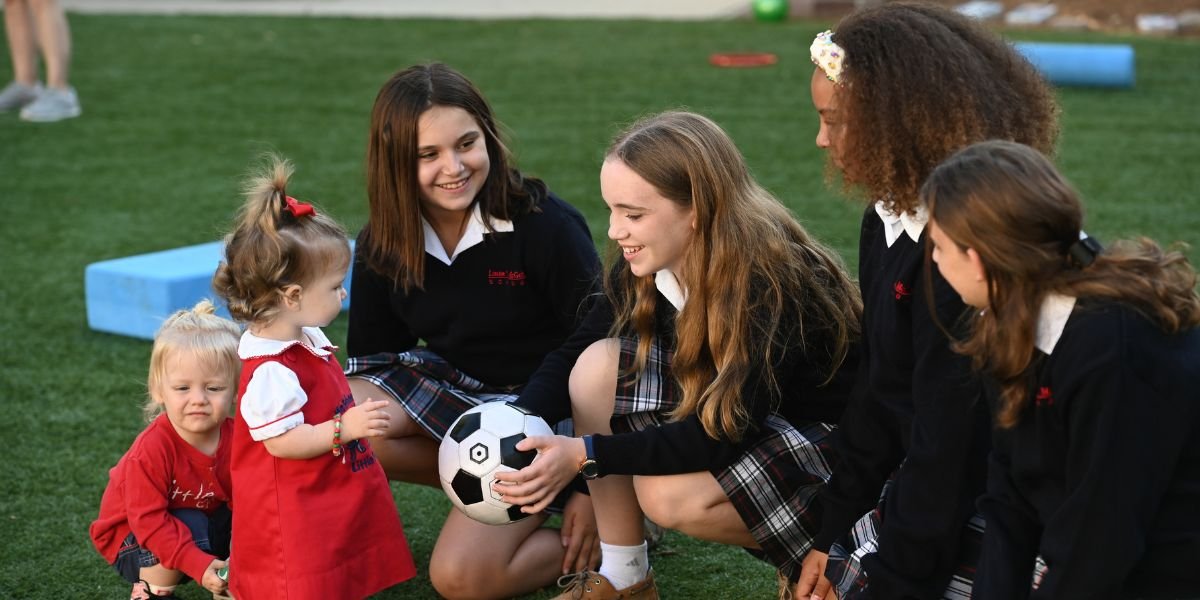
x,y
624,566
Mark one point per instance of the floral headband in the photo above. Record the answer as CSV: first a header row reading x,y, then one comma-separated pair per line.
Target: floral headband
x,y
828,56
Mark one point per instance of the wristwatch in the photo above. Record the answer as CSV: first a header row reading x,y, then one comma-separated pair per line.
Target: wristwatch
x,y
589,469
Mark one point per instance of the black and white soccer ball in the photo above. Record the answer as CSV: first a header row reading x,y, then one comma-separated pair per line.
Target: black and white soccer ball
x,y
480,443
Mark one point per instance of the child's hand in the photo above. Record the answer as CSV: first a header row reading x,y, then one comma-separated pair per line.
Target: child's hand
x,y
579,535
365,420
211,581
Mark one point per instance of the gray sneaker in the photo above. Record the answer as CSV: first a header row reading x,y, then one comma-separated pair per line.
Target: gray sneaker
x,y
16,95
52,105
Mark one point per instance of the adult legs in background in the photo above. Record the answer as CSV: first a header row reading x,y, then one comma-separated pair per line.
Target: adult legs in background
x,y
34,25
22,43
54,40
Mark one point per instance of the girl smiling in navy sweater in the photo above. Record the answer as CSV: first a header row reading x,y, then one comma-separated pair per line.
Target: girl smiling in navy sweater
x,y
488,269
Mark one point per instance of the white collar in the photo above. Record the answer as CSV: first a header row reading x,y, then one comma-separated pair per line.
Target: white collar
x,y
472,235
911,223
253,346
1052,319
668,285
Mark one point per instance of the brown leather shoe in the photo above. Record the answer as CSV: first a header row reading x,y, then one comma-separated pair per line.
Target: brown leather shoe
x,y
590,585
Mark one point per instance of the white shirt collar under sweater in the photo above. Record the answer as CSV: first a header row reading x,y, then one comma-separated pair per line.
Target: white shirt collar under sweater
x,y
894,225
1052,319
668,286
472,235
252,346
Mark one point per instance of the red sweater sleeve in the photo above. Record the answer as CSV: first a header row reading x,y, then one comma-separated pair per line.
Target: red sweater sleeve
x,y
147,480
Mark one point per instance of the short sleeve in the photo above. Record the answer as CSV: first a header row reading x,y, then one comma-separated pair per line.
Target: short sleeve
x,y
272,402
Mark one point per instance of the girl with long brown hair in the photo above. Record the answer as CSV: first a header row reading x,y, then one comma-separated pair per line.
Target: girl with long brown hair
x,y
1095,357
488,269
706,378
898,88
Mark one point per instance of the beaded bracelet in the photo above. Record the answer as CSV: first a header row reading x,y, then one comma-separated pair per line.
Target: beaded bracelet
x,y
337,436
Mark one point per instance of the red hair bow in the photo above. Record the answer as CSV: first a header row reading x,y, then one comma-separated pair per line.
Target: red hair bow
x,y
299,209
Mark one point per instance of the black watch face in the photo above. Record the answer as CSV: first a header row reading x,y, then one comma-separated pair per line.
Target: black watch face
x,y
589,469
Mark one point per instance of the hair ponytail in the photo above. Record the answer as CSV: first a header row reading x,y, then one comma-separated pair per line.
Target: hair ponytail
x,y
278,241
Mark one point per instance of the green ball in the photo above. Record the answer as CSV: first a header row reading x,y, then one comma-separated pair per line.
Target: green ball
x,y
770,10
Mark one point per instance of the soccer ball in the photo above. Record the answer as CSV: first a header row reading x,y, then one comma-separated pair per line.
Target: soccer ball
x,y
480,443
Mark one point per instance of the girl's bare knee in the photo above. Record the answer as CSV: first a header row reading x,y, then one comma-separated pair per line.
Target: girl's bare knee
x,y
457,577
593,381
660,504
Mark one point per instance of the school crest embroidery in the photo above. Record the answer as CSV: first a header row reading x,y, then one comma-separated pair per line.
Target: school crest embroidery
x,y
901,291
1044,397
509,278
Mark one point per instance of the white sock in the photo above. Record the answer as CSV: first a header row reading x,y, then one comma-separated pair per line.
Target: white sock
x,y
624,566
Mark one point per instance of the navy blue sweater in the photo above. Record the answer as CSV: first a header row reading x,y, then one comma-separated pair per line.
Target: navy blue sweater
x,y
1101,475
916,411
683,446
497,310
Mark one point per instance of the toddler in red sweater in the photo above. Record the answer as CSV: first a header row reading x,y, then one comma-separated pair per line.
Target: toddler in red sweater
x,y
164,516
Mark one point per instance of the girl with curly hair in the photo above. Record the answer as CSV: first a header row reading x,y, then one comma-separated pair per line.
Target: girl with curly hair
x,y
1095,356
898,88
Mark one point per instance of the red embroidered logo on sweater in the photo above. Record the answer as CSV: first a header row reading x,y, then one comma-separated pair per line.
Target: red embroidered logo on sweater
x,y
900,289
1044,397
506,277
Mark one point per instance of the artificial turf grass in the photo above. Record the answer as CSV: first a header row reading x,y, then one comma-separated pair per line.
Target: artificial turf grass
x,y
177,108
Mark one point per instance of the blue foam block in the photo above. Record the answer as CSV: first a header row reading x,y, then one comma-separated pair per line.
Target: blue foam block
x,y
133,295
1091,65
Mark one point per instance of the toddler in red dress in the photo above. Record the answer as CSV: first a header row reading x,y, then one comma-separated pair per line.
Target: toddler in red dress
x,y
316,518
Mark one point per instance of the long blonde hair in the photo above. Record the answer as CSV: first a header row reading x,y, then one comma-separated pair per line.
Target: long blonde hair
x,y
752,273
199,332
271,247
1007,202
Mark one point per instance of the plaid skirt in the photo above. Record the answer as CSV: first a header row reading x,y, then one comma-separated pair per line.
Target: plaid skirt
x,y
431,390
845,570
773,485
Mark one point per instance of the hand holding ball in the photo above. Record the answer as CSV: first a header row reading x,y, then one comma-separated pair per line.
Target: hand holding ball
x,y
481,442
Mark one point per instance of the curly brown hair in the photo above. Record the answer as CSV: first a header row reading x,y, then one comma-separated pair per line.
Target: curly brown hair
x,y
921,81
